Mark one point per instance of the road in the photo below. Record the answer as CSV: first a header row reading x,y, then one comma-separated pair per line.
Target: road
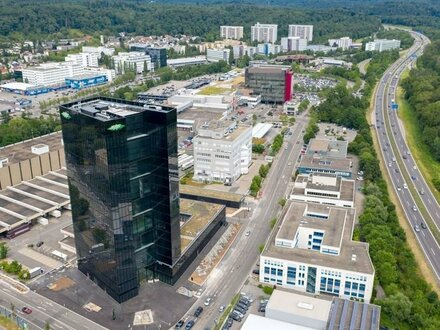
x,y
45,310
228,278
407,181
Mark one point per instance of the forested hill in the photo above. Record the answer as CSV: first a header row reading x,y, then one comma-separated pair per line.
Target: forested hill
x,y
36,18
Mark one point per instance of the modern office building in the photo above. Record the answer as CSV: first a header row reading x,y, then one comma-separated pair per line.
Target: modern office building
x,y
121,161
312,251
51,73
323,189
109,51
293,44
325,165
222,154
158,56
380,45
84,59
273,82
138,60
301,31
185,61
231,32
327,148
215,55
344,43
264,32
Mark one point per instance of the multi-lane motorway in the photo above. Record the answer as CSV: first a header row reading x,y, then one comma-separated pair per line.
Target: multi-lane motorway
x,y
408,182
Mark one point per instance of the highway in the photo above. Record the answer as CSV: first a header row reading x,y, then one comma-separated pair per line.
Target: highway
x,y
407,181
44,310
230,275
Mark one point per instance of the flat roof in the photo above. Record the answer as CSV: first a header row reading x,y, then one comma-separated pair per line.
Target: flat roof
x,y
299,304
22,150
18,85
260,130
343,186
210,193
201,115
267,69
257,322
329,148
292,218
230,137
86,76
201,214
326,163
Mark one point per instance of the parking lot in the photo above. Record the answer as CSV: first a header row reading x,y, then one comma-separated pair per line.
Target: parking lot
x,y
314,84
40,256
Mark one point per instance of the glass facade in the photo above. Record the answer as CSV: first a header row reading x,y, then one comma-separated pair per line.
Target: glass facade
x,y
123,183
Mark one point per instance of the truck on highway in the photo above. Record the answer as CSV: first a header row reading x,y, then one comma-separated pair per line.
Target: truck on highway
x,y
34,272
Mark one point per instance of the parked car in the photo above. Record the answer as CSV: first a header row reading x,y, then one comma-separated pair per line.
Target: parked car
x,y
179,324
39,243
189,325
198,311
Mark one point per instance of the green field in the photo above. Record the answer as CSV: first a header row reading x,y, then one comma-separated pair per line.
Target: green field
x,y
426,163
213,90
7,324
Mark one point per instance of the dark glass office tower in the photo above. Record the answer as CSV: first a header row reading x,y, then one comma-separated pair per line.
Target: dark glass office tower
x,y
123,178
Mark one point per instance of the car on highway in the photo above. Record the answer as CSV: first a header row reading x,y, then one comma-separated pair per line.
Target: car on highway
x,y
405,186
416,228
398,188
422,192
413,177
247,233
208,301
189,325
414,208
26,310
179,324
397,170
198,311
390,164
221,308
422,224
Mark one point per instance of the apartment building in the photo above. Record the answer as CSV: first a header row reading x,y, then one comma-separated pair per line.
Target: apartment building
x,y
222,154
344,43
136,59
231,32
380,45
264,32
293,44
84,59
109,51
268,48
215,55
301,31
312,251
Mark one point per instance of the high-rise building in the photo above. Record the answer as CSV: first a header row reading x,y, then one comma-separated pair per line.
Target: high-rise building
x,y
273,82
264,32
137,60
293,44
83,59
231,32
121,161
302,31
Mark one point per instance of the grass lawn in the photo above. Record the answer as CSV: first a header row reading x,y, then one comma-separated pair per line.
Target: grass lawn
x,y
426,163
8,324
213,90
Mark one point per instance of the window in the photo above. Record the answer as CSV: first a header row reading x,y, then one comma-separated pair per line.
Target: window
x,y
273,271
266,270
280,272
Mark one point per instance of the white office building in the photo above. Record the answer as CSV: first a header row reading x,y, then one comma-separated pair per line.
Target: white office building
x,y
83,59
380,45
231,32
136,59
264,32
109,73
323,189
312,251
109,51
51,73
215,55
268,49
293,44
222,155
301,31
184,61
344,43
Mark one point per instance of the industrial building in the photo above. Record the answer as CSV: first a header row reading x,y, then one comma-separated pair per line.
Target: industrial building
x,y
312,251
129,226
323,189
293,44
301,31
215,55
231,32
180,62
264,32
273,82
380,45
222,154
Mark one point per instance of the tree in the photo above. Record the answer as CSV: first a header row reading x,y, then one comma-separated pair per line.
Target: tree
x,y
282,202
3,250
264,169
47,326
397,307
